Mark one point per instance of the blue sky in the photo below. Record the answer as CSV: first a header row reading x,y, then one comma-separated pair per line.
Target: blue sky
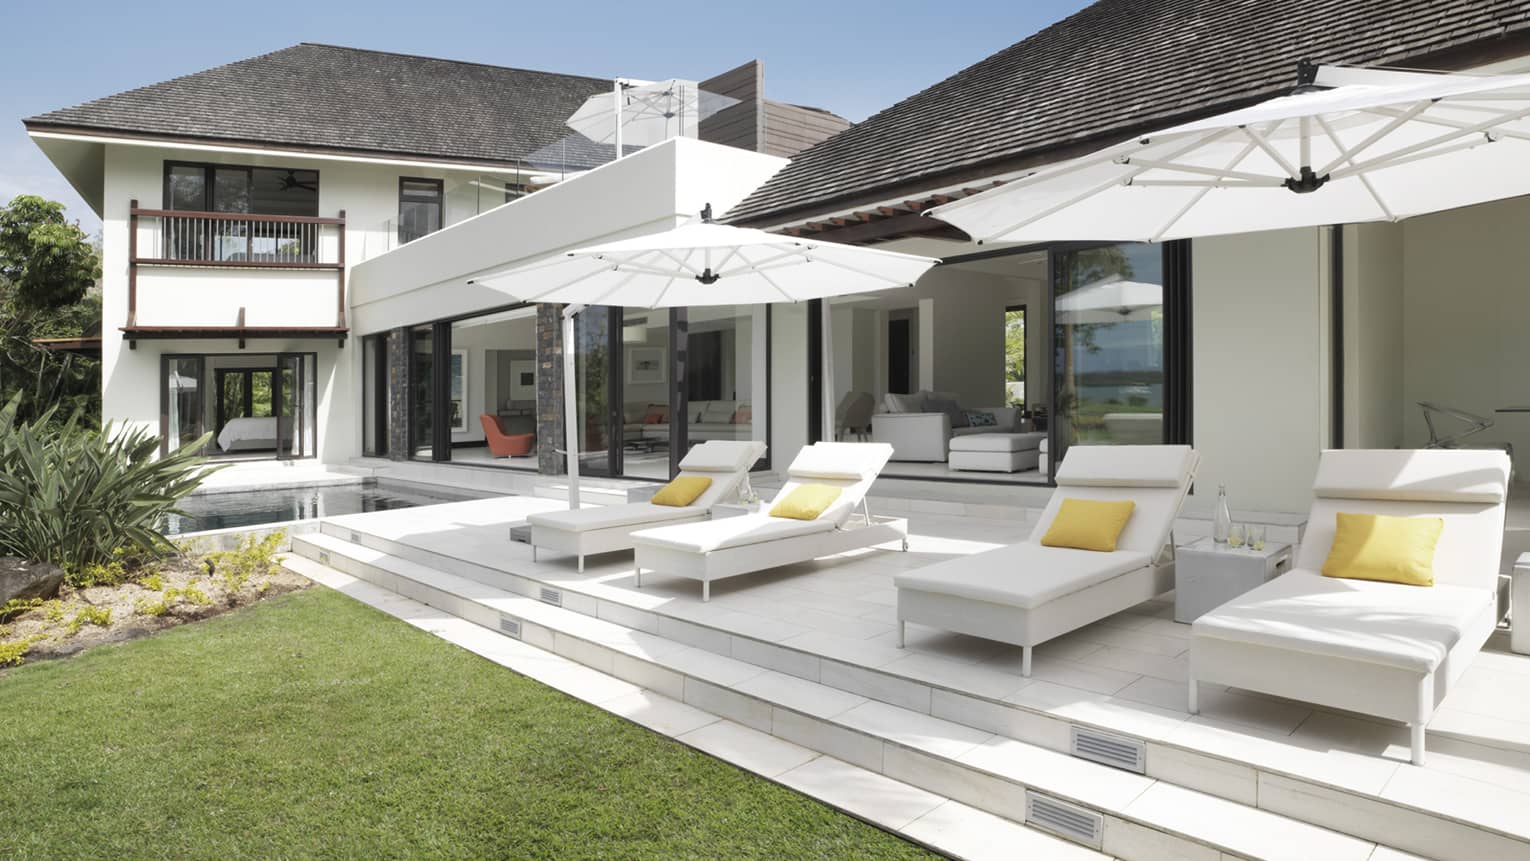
x,y
852,58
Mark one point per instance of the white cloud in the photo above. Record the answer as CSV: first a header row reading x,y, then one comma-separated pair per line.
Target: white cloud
x,y
25,170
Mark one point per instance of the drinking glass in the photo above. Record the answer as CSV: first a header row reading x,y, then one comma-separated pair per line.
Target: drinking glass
x,y
1256,537
1236,535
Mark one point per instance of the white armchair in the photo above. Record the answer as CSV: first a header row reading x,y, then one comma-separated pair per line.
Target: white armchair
x,y
926,436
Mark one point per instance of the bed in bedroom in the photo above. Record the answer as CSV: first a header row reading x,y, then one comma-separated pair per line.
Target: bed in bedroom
x,y
250,434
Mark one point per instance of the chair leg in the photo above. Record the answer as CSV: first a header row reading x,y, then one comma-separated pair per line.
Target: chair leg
x,y
706,590
1195,698
1421,719
637,577
533,553
1416,753
581,563
1025,661
902,629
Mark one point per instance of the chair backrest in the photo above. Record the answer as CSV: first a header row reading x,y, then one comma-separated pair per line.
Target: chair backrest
x,y
491,426
1467,488
1154,477
726,462
1474,424
858,410
850,466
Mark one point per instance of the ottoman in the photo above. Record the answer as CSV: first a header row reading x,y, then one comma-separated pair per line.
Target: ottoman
x,y
996,452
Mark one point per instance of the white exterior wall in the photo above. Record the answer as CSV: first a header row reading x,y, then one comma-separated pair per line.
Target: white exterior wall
x,y
130,378
1259,366
788,383
1373,336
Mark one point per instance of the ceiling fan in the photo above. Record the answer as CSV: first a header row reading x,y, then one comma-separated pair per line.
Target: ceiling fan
x,y
290,181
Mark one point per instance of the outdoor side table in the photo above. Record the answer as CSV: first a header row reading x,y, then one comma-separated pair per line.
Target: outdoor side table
x,y
1207,574
1519,605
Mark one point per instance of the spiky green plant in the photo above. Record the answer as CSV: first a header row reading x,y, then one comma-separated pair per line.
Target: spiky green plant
x,y
76,496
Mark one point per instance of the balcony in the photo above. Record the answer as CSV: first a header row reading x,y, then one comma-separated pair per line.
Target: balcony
x,y
234,275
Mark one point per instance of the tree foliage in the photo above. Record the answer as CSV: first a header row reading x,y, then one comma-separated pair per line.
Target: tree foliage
x,y
47,268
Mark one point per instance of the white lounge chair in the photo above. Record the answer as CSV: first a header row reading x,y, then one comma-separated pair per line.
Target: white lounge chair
x,y
756,542
1382,649
1027,593
608,528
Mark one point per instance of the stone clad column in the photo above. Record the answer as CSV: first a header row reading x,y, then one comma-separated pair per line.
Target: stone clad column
x,y
550,389
398,394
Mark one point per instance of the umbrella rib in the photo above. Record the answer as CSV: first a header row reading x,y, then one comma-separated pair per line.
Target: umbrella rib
x,y
898,282
1364,180
1264,144
678,261
769,261
1208,183
1392,161
1204,171
1373,137
1114,181
1452,124
530,297
600,299
1198,196
767,279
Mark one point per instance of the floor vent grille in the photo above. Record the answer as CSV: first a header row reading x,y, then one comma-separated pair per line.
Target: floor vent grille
x,y
323,557
551,596
510,626
1065,820
1112,750
355,537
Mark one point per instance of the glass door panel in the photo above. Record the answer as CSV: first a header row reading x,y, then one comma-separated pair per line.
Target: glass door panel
x,y
599,449
421,369
1108,319
184,419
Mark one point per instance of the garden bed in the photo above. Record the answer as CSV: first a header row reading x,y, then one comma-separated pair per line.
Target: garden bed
x,y
127,599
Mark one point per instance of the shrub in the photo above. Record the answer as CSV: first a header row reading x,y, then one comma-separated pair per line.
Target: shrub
x,y
169,599
251,556
78,497
15,654
16,606
152,582
90,616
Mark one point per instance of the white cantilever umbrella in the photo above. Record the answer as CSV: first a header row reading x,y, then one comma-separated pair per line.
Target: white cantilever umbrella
x,y
646,114
1375,146
698,264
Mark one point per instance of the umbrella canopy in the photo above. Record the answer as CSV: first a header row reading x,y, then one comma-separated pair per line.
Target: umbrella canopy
x,y
1413,144
698,264
703,263
649,113
1110,300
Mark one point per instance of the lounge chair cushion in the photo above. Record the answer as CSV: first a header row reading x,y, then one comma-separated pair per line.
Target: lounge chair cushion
x,y
1381,623
722,456
1088,524
1023,575
682,490
1386,549
713,535
1429,475
806,502
1126,466
611,516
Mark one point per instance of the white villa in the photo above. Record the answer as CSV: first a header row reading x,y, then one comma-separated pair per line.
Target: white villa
x,y
317,280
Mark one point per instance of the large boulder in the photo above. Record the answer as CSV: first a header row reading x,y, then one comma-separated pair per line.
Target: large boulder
x,y
22,579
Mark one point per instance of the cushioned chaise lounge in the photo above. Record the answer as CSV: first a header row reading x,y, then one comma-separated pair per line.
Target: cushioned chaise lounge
x,y
1385,649
608,528
1027,593
756,542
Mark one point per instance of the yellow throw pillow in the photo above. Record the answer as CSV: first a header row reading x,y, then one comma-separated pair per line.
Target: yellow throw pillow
x,y
1088,524
806,502
1389,549
682,491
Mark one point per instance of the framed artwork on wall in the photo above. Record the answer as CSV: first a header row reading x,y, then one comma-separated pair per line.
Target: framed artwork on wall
x,y
645,365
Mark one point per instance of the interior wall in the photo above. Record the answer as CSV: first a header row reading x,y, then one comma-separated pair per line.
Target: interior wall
x,y
1258,367
788,391
1465,303
482,384
1373,336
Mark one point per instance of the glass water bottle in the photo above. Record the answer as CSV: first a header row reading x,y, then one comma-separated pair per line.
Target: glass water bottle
x,y
1221,521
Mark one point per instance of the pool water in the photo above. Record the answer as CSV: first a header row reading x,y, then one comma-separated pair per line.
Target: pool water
x,y
234,509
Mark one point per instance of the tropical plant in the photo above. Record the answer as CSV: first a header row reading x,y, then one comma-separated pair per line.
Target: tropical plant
x,y
78,497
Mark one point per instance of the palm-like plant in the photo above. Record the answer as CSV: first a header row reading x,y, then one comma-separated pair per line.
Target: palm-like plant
x,y
75,496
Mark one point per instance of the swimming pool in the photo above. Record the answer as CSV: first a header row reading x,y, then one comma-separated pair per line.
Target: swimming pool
x,y
233,509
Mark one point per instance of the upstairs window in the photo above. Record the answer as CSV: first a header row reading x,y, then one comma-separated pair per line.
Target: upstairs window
x,y
419,208
231,188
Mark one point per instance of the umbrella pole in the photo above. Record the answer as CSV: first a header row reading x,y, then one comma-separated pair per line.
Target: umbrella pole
x,y
618,106
571,405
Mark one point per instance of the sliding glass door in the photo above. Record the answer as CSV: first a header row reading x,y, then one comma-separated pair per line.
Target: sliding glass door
x,y
1109,346
252,405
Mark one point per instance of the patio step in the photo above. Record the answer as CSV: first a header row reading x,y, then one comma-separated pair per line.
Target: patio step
x,y
939,823
1126,815
1273,776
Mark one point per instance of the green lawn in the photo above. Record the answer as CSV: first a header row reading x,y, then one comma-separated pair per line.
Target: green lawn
x,y
312,726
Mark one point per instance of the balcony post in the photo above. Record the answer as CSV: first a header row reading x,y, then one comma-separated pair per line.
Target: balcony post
x,y
340,240
132,319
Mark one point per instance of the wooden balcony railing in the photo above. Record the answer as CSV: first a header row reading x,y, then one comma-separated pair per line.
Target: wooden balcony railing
x,y
161,237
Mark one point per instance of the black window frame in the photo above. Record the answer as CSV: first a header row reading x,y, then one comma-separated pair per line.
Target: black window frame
x,y
440,185
209,171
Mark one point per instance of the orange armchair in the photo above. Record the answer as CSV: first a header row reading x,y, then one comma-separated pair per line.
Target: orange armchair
x,y
502,444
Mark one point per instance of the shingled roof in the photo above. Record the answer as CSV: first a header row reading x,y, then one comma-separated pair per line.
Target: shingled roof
x,y
1113,69
333,98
